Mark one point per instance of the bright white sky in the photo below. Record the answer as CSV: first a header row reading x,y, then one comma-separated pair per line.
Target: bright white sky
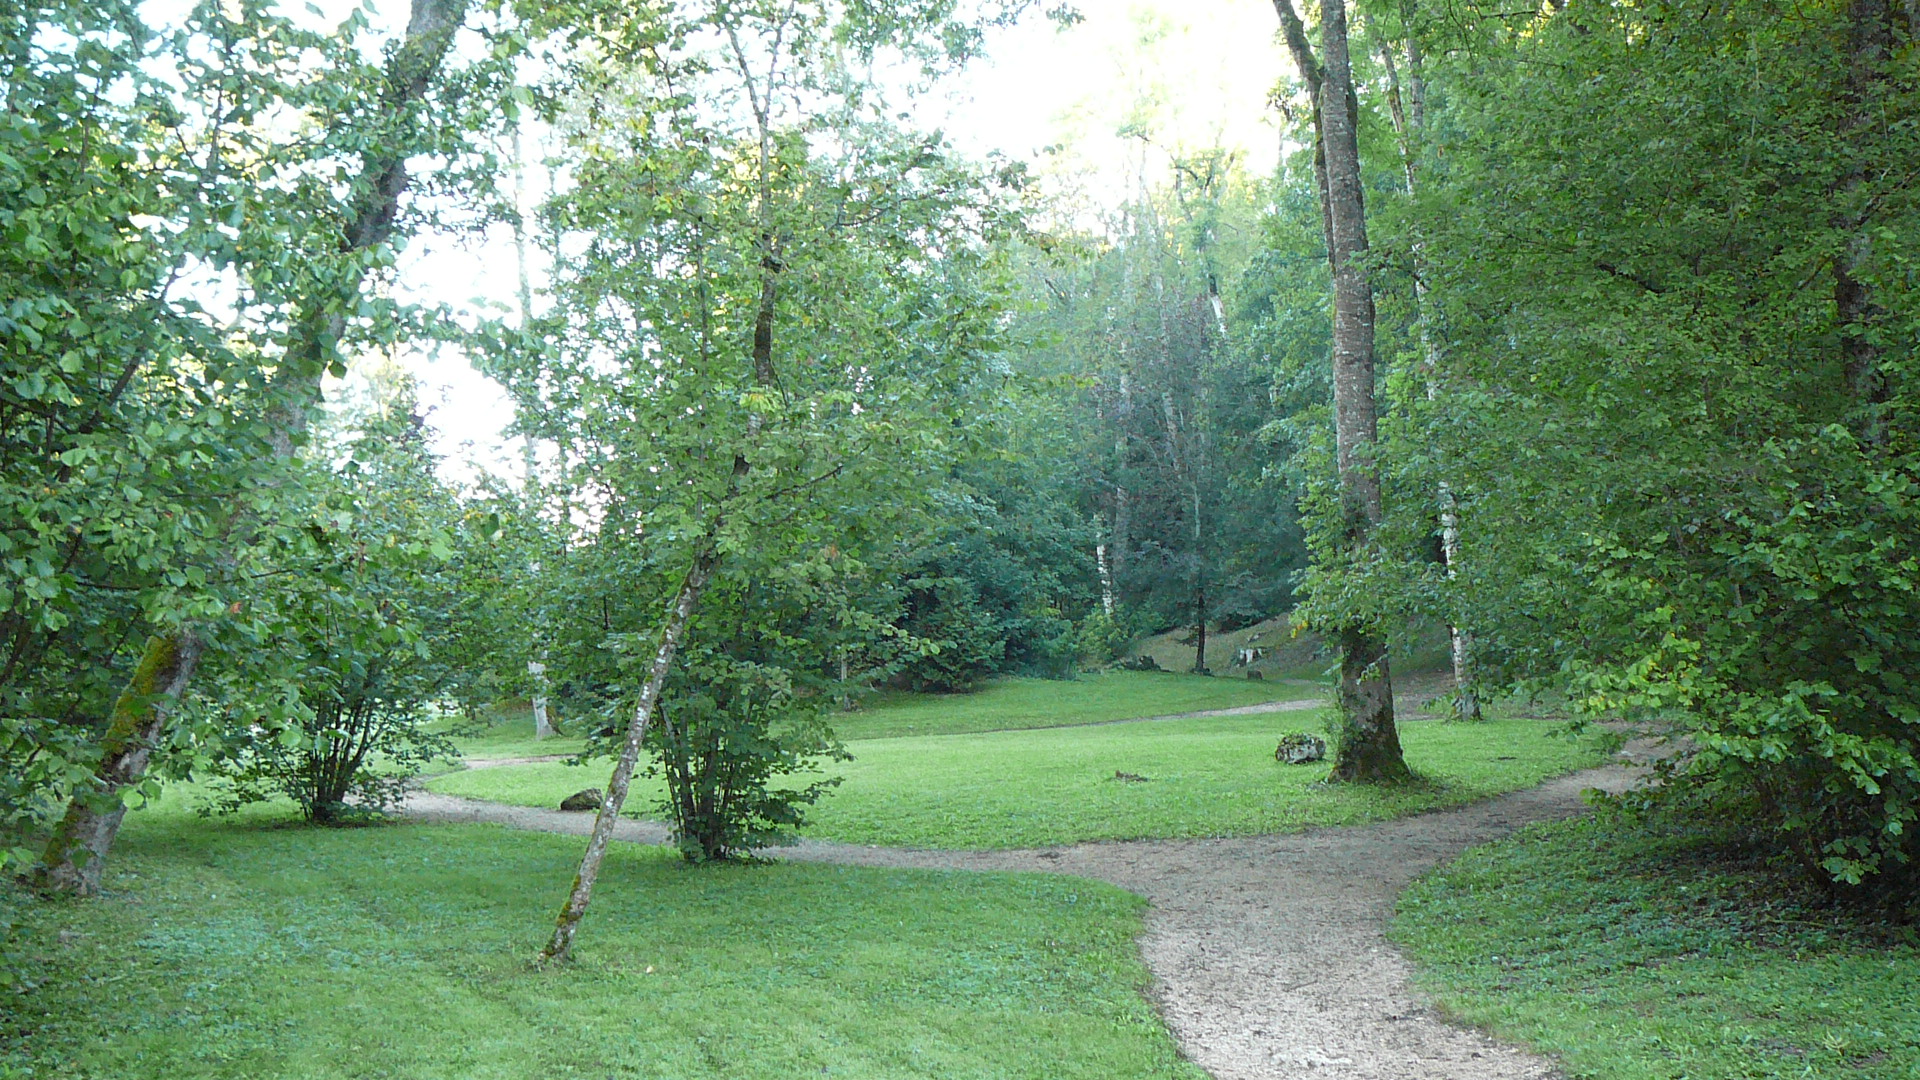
x,y
1193,73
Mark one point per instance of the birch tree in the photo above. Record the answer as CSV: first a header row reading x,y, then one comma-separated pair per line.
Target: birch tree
x,y
1407,104
770,299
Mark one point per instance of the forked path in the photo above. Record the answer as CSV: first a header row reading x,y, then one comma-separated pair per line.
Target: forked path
x,y
1268,953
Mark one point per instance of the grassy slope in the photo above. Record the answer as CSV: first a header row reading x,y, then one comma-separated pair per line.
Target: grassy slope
x,y
1000,705
1006,704
1206,777
288,954
1632,956
1287,655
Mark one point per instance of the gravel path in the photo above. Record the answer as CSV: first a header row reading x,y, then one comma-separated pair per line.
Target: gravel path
x,y
1268,953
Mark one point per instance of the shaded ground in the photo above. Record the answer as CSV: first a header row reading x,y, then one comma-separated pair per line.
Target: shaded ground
x,y
1268,953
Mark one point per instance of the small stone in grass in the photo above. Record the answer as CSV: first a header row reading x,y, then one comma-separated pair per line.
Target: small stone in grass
x,y
590,799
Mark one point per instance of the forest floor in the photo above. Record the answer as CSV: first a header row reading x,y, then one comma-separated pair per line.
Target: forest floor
x,y
1269,954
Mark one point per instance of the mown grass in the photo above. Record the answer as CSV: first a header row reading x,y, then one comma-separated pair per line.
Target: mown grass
x,y
235,951
998,705
1631,952
1013,704
1211,776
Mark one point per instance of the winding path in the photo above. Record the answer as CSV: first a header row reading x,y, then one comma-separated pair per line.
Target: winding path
x,y
1268,953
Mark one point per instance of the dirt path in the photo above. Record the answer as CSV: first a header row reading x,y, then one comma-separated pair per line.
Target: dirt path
x,y
1268,953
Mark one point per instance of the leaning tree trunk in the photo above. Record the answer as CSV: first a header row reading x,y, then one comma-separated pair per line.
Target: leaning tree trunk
x,y
1369,747
76,856
77,853
705,561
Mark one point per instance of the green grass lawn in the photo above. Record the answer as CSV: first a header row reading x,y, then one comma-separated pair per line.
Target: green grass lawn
x,y
1212,776
1010,704
1631,954
233,950
999,705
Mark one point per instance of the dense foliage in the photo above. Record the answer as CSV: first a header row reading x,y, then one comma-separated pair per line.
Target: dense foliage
x,y
771,309
826,407
1680,393
194,210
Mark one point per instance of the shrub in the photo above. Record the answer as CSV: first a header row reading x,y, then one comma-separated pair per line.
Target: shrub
x,y
726,731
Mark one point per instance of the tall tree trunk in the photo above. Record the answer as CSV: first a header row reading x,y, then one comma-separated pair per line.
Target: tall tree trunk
x,y
76,856
1181,457
1409,122
1106,579
1122,539
1369,749
1200,623
523,293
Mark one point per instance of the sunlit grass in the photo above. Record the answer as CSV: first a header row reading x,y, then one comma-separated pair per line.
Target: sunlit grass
x,y
1000,704
1007,704
1212,776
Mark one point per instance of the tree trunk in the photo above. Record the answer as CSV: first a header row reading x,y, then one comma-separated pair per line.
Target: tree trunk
x,y
1106,579
537,668
1180,456
1200,625
1122,539
1369,744
77,854
542,723
706,558
1409,123
91,821
705,561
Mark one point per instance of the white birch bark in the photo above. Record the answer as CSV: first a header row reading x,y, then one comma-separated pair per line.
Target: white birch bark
x,y
1409,124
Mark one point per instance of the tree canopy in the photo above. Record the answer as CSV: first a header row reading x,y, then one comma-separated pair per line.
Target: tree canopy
x,y
1586,334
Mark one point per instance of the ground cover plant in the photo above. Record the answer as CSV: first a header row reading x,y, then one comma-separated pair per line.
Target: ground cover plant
x,y
234,949
1642,952
1207,776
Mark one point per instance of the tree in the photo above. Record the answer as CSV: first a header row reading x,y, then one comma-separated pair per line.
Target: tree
x,y
1368,746
1409,113
775,293
228,162
1682,400
376,630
